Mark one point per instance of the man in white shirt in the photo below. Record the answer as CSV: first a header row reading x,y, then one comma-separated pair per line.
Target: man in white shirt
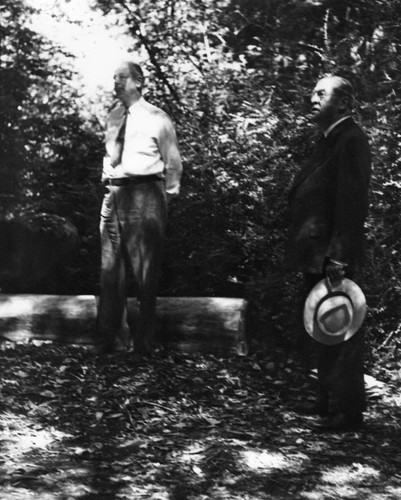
x,y
141,171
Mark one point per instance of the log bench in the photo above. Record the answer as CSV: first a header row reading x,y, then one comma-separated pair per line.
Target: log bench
x,y
204,324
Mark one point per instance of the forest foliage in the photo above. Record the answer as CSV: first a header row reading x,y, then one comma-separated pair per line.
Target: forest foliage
x,y
235,75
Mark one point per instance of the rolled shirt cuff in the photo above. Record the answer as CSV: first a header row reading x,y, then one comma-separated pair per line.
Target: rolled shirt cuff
x,y
173,190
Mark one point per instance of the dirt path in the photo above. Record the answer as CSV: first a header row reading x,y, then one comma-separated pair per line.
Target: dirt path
x,y
181,427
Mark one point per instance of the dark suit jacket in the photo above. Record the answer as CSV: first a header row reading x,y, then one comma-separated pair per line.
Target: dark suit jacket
x,y
329,202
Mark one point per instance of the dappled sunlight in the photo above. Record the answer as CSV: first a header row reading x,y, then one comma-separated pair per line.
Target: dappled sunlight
x,y
264,460
345,492
177,427
192,454
82,30
346,481
191,421
395,492
356,474
21,435
397,400
23,441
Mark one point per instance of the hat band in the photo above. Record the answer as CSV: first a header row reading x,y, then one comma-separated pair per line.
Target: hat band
x,y
331,294
336,320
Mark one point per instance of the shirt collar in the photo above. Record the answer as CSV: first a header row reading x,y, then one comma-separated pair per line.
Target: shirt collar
x,y
333,125
136,104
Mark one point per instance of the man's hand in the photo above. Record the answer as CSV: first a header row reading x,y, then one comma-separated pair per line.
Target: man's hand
x,y
335,271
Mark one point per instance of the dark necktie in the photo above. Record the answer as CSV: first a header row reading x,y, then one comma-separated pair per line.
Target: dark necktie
x,y
119,142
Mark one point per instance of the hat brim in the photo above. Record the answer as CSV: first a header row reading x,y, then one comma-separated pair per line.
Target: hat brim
x,y
318,293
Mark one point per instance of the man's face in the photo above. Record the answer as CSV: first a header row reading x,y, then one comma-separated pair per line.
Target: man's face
x,y
125,86
326,105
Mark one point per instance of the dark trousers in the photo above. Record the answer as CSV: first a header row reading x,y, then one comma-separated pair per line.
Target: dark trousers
x,y
340,369
132,230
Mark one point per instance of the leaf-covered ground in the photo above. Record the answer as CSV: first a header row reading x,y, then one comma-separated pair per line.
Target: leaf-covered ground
x,y
182,427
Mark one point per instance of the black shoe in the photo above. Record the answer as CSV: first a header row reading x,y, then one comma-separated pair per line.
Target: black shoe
x,y
315,408
338,423
106,349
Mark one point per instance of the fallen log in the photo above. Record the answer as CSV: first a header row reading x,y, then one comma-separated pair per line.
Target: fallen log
x,y
206,324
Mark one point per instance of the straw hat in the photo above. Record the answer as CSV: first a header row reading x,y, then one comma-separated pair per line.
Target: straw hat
x,y
333,314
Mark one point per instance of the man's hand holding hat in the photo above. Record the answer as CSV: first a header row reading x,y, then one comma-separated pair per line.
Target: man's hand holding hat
x,y
335,271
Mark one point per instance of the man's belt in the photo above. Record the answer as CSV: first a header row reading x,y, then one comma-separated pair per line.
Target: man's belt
x,y
132,179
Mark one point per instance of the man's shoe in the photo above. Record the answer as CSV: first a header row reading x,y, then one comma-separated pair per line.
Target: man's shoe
x,y
314,408
338,423
106,349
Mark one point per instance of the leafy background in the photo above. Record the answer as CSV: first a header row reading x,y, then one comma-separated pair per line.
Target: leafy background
x,y
236,77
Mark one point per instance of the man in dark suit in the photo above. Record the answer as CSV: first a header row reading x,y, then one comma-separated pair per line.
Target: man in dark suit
x,y
328,206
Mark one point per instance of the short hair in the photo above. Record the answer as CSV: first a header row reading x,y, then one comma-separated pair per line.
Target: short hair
x,y
345,89
135,72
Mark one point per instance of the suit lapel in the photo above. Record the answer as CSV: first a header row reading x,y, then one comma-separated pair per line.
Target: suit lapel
x,y
321,149
311,164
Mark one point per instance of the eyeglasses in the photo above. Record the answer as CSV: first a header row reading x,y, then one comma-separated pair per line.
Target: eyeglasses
x,y
121,77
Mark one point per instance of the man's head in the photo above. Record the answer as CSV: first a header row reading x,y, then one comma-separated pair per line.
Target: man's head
x,y
332,99
128,82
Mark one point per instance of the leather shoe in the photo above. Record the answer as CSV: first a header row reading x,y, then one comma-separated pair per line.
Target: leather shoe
x,y
339,422
106,349
312,408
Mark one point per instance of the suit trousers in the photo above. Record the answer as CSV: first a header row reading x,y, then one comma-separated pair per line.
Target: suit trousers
x,y
340,369
132,230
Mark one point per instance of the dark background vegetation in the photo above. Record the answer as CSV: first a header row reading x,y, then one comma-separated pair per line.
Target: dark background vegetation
x,y
235,75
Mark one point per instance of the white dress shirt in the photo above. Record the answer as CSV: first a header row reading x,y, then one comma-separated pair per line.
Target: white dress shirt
x,y
150,146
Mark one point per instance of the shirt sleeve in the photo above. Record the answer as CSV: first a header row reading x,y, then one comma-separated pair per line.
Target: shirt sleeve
x,y
170,154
